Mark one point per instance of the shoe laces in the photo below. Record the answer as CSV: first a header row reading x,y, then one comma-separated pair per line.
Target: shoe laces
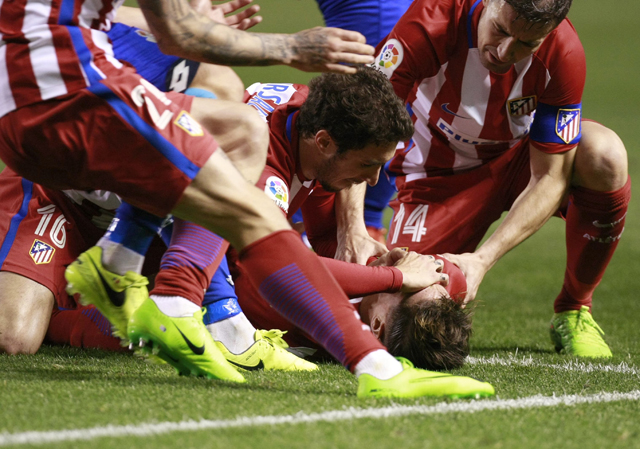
x,y
135,280
273,336
586,322
406,363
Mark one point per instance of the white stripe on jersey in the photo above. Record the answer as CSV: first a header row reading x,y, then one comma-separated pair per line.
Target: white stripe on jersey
x,y
474,99
296,185
102,42
44,60
7,103
519,125
415,158
89,12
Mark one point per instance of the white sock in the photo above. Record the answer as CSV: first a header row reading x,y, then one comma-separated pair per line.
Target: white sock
x,y
380,364
235,333
119,259
175,306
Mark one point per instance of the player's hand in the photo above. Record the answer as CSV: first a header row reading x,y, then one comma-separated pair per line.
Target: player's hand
x,y
358,248
473,267
327,49
228,13
418,271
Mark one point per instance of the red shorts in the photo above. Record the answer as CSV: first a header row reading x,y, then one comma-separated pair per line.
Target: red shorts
x,y
452,213
42,232
121,135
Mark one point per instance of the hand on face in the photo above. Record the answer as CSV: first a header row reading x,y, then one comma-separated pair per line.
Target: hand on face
x,y
474,269
418,271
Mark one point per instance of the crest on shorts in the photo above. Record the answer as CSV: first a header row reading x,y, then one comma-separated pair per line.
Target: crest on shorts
x,y
277,190
522,106
390,57
568,124
40,252
189,124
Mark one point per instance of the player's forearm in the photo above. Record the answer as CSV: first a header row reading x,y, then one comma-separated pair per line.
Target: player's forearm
x,y
535,205
350,210
183,32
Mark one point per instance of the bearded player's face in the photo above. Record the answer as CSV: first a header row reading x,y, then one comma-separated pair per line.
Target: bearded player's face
x,y
351,167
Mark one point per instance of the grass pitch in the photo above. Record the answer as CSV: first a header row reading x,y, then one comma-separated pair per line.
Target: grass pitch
x,y
67,398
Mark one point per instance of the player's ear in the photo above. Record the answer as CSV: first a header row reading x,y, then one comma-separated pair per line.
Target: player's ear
x,y
325,143
378,327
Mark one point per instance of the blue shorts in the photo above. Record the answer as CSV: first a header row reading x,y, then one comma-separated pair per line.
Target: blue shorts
x,y
139,48
373,18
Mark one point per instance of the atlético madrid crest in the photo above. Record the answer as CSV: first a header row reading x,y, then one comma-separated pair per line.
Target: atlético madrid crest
x,y
41,252
568,124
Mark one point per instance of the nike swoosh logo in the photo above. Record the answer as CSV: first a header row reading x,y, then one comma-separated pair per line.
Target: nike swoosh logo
x,y
198,350
445,108
116,298
247,367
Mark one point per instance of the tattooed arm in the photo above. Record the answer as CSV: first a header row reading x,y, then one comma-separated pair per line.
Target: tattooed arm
x,y
182,31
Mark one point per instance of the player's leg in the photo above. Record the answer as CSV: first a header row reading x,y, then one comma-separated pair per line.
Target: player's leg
x,y
222,81
294,281
25,309
83,327
241,343
599,197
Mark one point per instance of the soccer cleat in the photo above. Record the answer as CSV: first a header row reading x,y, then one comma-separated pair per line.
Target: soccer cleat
x,y
184,343
576,333
269,352
115,296
414,382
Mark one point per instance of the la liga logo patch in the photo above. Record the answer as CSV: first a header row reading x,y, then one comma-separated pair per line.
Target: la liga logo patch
x,y
41,252
277,190
390,57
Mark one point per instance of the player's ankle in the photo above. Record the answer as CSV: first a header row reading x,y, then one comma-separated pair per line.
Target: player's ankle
x,y
175,306
235,333
379,364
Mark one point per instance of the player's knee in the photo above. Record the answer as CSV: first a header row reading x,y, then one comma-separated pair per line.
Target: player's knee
x,y
601,159
220,80
256,132
12,343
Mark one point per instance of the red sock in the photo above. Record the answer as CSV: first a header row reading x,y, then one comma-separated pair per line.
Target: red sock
x,y
190,262
595,221
84,327
300,288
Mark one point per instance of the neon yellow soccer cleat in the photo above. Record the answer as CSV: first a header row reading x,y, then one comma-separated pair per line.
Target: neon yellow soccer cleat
x,y
269,353
576,333
414,382
184,343
115,296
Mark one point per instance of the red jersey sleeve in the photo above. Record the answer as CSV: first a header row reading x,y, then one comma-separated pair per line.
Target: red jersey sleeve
x,y
419,44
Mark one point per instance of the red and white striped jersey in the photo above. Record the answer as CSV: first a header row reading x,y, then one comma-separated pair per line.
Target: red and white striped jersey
x,y
282,178
49,48
464,114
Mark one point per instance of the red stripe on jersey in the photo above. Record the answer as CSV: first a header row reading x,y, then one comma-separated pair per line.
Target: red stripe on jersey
x,y
496,120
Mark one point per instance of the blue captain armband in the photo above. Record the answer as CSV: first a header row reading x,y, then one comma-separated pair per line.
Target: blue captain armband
x,y
557,124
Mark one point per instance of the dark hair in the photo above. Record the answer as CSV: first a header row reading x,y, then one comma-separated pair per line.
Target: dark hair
x,y
541,12
434,335
356,110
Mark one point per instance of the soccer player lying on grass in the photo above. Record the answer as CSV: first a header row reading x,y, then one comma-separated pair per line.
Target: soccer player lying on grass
x,y
430,327
495,87
166,166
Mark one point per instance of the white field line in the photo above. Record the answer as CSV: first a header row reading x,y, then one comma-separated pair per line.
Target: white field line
x,y
152,429
571,365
